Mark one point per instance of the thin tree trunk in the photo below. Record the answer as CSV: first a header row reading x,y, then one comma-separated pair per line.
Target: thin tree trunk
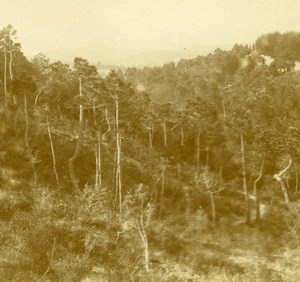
x,y
118,168
165,133
150,135
284,191
114,180
96,166
213,209
50,260
11,72
178,175
4,77
144,238
296,184
162,191
97,149
247,200
224,114
73,177
279,178
36,100
209,188
10,65
181,135
198,149
98,174
256,195
99,160
288,183
108,124
53,155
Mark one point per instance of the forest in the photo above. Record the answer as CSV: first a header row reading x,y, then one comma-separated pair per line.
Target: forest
x,y
185,172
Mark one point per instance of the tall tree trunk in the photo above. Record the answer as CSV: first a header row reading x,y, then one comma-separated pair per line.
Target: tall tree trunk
x,y
97,149
4,77
165,133
198,149
296,184
150,135
178,175
53,155
108,124
256,194
99,160
118,164
10,65
247,200
98,174
96,166
11,73
224,114
73,177
163,184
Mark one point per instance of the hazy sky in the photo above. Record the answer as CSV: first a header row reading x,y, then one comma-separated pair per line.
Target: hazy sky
x,y
154,24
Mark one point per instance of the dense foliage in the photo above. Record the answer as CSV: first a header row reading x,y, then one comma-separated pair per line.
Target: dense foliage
x,y
185,172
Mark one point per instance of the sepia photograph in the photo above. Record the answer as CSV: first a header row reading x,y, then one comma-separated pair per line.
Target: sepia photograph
x,y
149,141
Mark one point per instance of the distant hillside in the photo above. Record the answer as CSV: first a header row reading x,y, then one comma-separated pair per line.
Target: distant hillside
x,y
127,57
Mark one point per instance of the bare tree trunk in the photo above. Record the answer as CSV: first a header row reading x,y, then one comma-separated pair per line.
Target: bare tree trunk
x,y
163,183
114,180
11,73
224,114
256,195
181,135
178,175
36,100
10,65
108,125
144,238
98,174
209,187
279,178
4,77
30,154
118,168
287,182
198,149
213,209
53,155
296,184
99,160
96,166
165,133
73,177
97,149
150,135
247,200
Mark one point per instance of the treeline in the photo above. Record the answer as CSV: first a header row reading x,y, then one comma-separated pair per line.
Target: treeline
x,y
94,169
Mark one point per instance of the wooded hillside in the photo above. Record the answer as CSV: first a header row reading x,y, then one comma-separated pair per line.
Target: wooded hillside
x,y
185,172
